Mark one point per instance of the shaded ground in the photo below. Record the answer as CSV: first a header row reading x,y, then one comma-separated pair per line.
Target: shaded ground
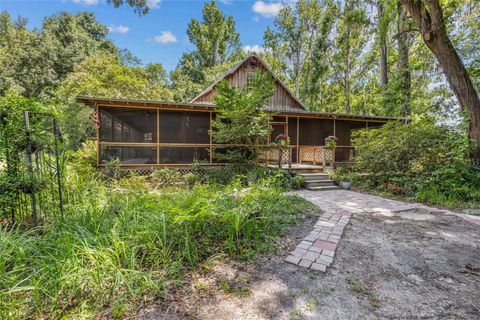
x,y
408,265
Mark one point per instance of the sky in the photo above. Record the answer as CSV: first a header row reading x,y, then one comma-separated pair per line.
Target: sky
x,y
160,35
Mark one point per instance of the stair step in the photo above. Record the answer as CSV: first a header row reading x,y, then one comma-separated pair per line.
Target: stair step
x,y
323,188
318,183
314,176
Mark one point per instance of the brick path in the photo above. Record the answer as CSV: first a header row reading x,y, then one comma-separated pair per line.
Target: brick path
x,y
317,250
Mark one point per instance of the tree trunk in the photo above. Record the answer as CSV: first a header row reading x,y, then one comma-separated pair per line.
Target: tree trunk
x,y
346,67
403,60
383,50
428,16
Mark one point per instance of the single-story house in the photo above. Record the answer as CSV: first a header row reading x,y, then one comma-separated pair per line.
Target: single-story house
x,y
150,134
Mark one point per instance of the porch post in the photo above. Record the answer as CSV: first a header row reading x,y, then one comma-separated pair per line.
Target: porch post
x,y
211,149
298,139
158,136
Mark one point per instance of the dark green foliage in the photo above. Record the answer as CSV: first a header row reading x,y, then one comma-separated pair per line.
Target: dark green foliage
x,y
421,160
247,174
13,176
239,120
34,63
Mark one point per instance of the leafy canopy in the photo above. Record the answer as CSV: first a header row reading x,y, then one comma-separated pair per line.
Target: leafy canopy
x,y
104,76
240,121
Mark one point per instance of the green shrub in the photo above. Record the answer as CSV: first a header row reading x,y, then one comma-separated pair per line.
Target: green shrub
x,y
298,182
421,160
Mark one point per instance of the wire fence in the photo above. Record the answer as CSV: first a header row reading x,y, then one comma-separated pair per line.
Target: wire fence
x,y
31,177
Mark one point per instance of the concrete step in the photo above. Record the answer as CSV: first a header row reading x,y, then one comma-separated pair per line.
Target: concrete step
x,y
314,176
323,188
319,183
307,171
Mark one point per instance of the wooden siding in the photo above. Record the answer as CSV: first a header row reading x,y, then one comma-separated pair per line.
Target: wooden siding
x,y
282,99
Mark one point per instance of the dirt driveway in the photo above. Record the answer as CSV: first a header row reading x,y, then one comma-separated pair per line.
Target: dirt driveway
x,y
407,265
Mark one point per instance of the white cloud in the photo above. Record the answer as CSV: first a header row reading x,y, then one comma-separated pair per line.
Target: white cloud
x,y
228,2
118,29
153,4
253,49
267,9
165,37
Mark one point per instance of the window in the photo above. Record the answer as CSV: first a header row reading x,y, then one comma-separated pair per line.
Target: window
x,y
184,127
129,155
128,125
182,155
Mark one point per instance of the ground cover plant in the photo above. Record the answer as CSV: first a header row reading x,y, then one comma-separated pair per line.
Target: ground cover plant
x,y
123,242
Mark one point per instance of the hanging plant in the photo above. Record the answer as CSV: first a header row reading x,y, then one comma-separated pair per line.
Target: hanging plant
x,y
331,142
282,140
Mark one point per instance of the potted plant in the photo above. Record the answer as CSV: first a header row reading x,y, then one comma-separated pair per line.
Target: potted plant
x,y
331,142
346,183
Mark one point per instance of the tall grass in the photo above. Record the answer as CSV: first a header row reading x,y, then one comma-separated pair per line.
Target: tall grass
x,y
121,244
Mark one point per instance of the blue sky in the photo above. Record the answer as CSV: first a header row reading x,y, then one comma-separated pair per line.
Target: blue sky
x,y
159,36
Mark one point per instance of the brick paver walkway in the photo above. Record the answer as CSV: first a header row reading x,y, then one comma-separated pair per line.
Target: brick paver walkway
x,y
317,250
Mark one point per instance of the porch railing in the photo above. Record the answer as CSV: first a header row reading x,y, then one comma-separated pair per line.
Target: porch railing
x,y
341,156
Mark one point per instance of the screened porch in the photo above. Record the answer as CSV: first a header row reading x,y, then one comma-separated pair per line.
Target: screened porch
x,y
141,136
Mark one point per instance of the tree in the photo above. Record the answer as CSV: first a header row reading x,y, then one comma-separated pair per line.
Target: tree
x,y
214,39
34,63
185,88
382,30
216,44
294,37
350,44
104,76
240,120
403,60
141,7
429,18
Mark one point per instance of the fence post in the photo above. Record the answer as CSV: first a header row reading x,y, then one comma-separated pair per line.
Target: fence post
x,y
290,160
30,167
57,163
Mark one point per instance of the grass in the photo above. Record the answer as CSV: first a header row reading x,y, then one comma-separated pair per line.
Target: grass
x,y
357,287
122,244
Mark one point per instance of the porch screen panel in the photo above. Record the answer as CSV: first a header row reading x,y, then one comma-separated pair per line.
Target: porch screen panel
x,y
292,130
184,127
183,155
277,129
314,131
344,130
129,155
128,125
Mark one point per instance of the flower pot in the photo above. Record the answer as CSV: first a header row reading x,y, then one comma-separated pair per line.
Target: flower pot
x,y
346,185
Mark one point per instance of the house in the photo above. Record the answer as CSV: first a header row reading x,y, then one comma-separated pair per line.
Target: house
x,y
149,134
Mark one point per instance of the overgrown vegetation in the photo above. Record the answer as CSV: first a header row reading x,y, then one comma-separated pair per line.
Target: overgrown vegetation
x,y
124,242
239,122
420,160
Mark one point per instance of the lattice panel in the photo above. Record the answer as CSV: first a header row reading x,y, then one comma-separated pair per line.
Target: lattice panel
x,y
272,156
328,154
311,154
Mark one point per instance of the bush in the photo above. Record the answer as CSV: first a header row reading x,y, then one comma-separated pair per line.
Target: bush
x,y
421,160
122,243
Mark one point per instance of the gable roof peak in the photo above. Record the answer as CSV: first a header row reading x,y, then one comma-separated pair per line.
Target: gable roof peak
x,y
237,66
